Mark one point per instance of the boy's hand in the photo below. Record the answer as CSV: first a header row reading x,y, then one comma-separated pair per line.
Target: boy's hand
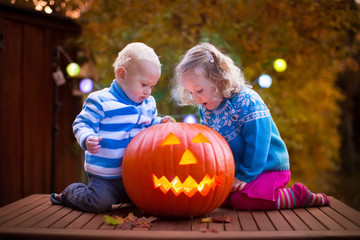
x,y
167,119
92,144
238,185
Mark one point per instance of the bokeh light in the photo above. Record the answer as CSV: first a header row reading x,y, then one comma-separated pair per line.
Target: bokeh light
x,y
280,65
73,69
190,119
265,81
86,85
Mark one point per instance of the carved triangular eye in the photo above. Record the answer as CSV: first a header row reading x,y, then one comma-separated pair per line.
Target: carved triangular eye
x,y
170,139
200,138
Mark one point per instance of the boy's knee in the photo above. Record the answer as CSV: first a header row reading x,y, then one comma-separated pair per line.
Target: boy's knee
x,y
99,208
99,205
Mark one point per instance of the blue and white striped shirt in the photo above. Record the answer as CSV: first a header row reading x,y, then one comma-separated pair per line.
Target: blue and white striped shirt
x,y
110,114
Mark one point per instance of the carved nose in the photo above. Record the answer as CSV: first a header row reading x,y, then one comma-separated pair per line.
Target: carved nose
x,y
187,158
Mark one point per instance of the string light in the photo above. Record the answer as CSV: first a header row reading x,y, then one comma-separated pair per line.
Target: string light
x,y
86,85
280,65
190,119
73,69
265,81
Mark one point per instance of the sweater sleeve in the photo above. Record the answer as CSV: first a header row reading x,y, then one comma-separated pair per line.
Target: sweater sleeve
x,y
88,121
257,136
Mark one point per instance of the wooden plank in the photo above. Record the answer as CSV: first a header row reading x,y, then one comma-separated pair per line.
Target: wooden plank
x,y
36,132
247,221
96,221
294,220
28,215
340,219
11,86
278,221
22,210
67,219
126,235
53,221
345,210
217,226
41,215
173,224
19,204
235,224
324,219
81,221
48,221
197,225
263,221
309,220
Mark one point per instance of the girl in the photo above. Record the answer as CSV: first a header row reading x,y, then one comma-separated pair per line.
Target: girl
x,y
208,78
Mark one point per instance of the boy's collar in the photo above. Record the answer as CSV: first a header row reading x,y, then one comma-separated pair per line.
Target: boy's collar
x,y
116,90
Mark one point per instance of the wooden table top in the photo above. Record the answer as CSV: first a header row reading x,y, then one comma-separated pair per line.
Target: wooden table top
x,y
34,217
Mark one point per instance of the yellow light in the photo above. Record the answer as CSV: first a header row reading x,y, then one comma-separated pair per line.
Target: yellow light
x,y
280,65
73,69
189,187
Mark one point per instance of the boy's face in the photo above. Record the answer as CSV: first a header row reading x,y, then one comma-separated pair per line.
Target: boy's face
x,y
138,79
202,89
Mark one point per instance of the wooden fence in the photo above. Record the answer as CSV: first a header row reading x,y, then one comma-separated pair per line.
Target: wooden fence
x,y
28,40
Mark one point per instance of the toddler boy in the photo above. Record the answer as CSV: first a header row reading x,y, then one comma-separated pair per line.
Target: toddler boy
x,y
110,118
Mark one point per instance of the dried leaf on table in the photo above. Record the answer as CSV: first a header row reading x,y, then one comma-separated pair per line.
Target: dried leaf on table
x,y
114,221
130,221
206,220
127,225
131,217
145,220
222,219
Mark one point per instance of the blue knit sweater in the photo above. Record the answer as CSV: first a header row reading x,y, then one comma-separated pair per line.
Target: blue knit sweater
x,y
246,124
109,113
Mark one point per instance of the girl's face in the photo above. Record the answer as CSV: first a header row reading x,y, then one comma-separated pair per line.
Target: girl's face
x,y
138,79
203,91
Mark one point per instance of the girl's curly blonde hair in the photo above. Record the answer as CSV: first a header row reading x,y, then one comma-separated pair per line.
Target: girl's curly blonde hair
x,y
217,66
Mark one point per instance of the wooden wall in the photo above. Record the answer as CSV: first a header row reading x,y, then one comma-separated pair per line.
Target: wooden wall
x,y
27,42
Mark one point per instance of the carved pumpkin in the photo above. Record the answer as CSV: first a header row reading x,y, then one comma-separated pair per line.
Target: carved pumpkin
x,y
178,170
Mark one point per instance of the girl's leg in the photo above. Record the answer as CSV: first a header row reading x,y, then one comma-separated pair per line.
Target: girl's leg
x,y
296,196
299,196
240,201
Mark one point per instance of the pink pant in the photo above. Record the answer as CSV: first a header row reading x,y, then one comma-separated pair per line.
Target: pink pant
x,y
261,193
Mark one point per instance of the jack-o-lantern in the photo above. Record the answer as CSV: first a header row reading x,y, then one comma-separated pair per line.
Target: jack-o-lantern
x,y
178,170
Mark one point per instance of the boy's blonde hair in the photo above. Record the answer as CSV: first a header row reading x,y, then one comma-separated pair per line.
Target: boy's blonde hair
x,y
135,52
216,66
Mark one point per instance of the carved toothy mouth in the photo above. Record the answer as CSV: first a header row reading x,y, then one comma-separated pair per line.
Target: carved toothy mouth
x,y
188,187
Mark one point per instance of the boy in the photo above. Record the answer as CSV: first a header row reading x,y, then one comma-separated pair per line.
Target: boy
x,y
110,118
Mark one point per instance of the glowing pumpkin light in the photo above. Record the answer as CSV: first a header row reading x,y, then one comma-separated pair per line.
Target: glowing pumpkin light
x,y
178,170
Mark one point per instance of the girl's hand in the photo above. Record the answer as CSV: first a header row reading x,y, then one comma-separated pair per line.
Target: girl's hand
x,y
92,144
167,119
238,185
